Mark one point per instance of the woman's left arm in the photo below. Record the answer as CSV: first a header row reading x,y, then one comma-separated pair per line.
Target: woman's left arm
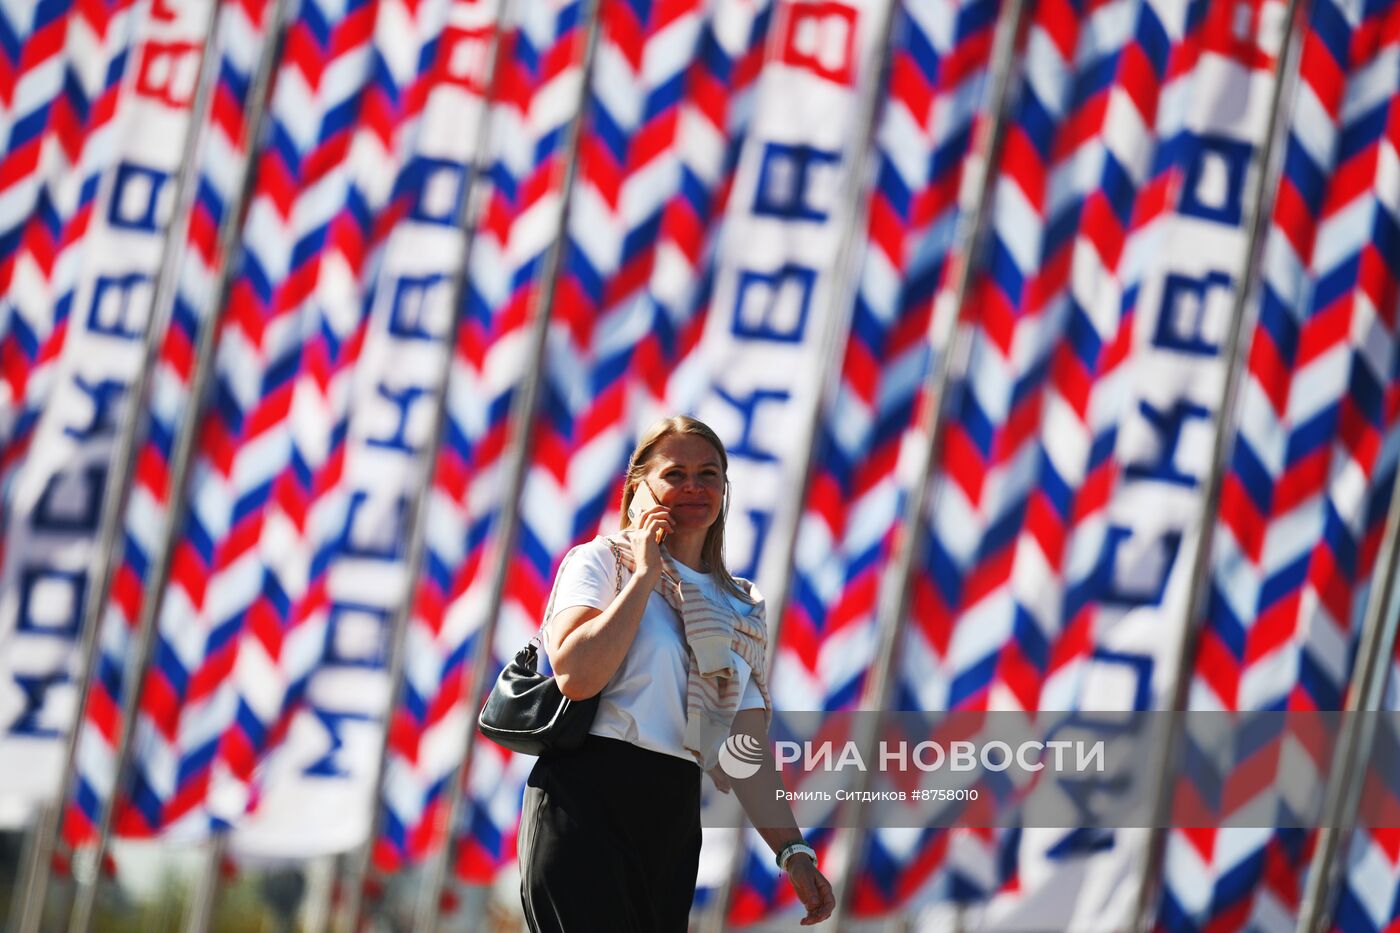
x,y
757,794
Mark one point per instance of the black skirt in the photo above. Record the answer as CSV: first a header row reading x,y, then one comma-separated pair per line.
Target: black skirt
x,y
610,840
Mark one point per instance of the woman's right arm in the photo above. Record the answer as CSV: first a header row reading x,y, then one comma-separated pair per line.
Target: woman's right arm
x,y
586,645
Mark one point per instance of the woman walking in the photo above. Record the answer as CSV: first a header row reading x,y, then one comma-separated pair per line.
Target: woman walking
x,y
610,833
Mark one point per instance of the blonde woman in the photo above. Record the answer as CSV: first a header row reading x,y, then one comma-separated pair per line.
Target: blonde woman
x,y
652,620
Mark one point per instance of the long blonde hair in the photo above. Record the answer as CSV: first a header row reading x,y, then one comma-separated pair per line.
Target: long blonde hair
x,y
712,551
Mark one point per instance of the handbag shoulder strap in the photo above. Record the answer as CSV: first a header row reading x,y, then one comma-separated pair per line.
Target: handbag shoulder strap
x,y
554,589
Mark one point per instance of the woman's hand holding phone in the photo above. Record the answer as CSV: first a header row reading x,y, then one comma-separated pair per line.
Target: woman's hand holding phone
x,y
650,523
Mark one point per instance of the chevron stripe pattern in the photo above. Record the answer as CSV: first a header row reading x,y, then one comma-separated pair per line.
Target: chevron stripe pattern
x,y
713,122
1078,865
274,434
628,168
608,331
659,166
537,86
421,117
1132,124
929,120
655,165
1369,899
1053,443
1126,575
68,83
71,337
1308,483
294,536
1120,562
40,97
1023,437
677,163
168,63
700,224
627,171
244,31
438,85
930,117
1370,896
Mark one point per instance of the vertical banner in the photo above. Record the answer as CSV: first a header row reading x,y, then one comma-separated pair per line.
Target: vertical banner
x,y
407,165
113,202
70,64
230,644
1127,578
933,111
1307,487
279,565
663,123
656,151
242,32
1037,546
536,90
1369,898
604,328
756,369
769,304
1075,878
1048,325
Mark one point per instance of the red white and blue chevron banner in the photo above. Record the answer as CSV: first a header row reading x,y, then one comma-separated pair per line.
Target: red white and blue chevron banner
x,y
933,110
235,638
769,308
1034,500
65,68
1126,592
711,201
98,296
603,325
1309,479
658,154
715,117
242,36
424,109
1085,879
1048,328
538,82
1369,897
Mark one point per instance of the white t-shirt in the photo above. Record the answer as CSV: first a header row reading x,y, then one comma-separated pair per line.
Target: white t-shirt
x,y
644,702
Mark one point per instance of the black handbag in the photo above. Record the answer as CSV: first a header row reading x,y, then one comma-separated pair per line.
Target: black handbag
x,y
526,712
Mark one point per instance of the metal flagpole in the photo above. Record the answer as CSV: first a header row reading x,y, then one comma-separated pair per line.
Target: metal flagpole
x,y
1265,183
838,311
1353,748
521,418
206,886
143,642
896,589
359,862
38,866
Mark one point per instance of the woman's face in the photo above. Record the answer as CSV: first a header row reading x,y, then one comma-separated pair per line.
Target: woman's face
x,y
686,476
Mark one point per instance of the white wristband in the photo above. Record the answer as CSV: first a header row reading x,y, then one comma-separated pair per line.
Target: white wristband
x,y
795,848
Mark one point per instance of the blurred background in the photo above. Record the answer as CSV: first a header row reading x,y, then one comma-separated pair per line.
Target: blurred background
x,y
1053,343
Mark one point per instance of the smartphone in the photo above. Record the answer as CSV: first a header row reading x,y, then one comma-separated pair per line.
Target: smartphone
x,y
642,500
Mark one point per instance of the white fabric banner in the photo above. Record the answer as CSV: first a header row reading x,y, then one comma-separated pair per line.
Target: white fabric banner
x,y
53,505
1190,263
317,790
